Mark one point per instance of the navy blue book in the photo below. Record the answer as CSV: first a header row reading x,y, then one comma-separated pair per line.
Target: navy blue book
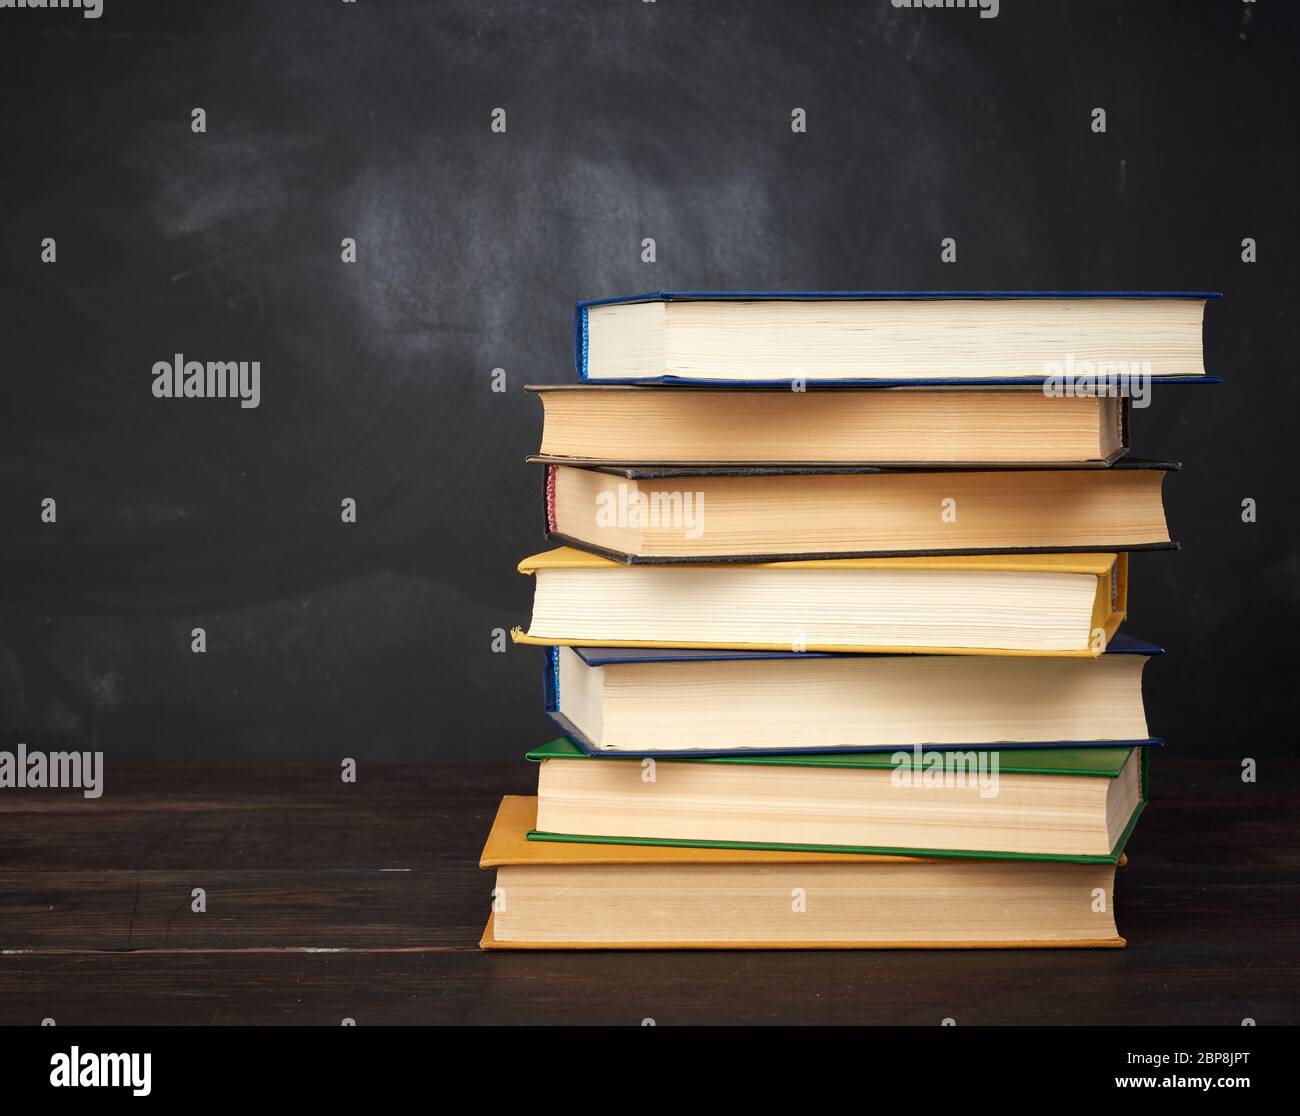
x,y
893,338
623,701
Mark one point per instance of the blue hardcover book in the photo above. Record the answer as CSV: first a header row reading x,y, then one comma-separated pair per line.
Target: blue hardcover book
x,y
638,701
894,338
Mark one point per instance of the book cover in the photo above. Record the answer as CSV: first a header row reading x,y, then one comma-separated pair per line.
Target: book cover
x,y
677,474
508,844
1103,763
581,309
1109,607
614,656
774,387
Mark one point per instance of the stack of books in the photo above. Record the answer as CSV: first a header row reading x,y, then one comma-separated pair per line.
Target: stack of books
x,y
832,636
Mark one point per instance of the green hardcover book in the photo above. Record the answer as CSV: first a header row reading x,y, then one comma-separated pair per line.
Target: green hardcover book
x,y
1060,804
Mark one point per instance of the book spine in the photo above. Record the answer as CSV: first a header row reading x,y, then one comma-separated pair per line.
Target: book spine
x,y
580,340
551,680
550,499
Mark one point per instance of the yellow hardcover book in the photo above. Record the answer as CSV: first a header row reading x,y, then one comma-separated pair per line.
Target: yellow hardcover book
x,y
603,896
1000,604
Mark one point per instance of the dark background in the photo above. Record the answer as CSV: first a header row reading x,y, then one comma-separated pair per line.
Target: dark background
x,y
625,120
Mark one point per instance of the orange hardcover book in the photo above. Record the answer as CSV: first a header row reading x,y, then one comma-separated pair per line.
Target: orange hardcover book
x,y
613,896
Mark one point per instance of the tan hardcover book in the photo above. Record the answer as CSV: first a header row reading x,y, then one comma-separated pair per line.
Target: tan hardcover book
x,y
598,424
740,514
613,896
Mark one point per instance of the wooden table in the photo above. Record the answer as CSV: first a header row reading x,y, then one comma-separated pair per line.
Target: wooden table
x,y
328,901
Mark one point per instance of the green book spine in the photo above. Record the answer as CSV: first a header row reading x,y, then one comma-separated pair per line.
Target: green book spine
x,y
1103,763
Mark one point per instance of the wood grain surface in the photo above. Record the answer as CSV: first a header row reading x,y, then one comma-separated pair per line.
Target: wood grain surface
x,y
327,900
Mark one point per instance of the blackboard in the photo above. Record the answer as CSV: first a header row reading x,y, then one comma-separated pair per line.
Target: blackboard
x,y
624,120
